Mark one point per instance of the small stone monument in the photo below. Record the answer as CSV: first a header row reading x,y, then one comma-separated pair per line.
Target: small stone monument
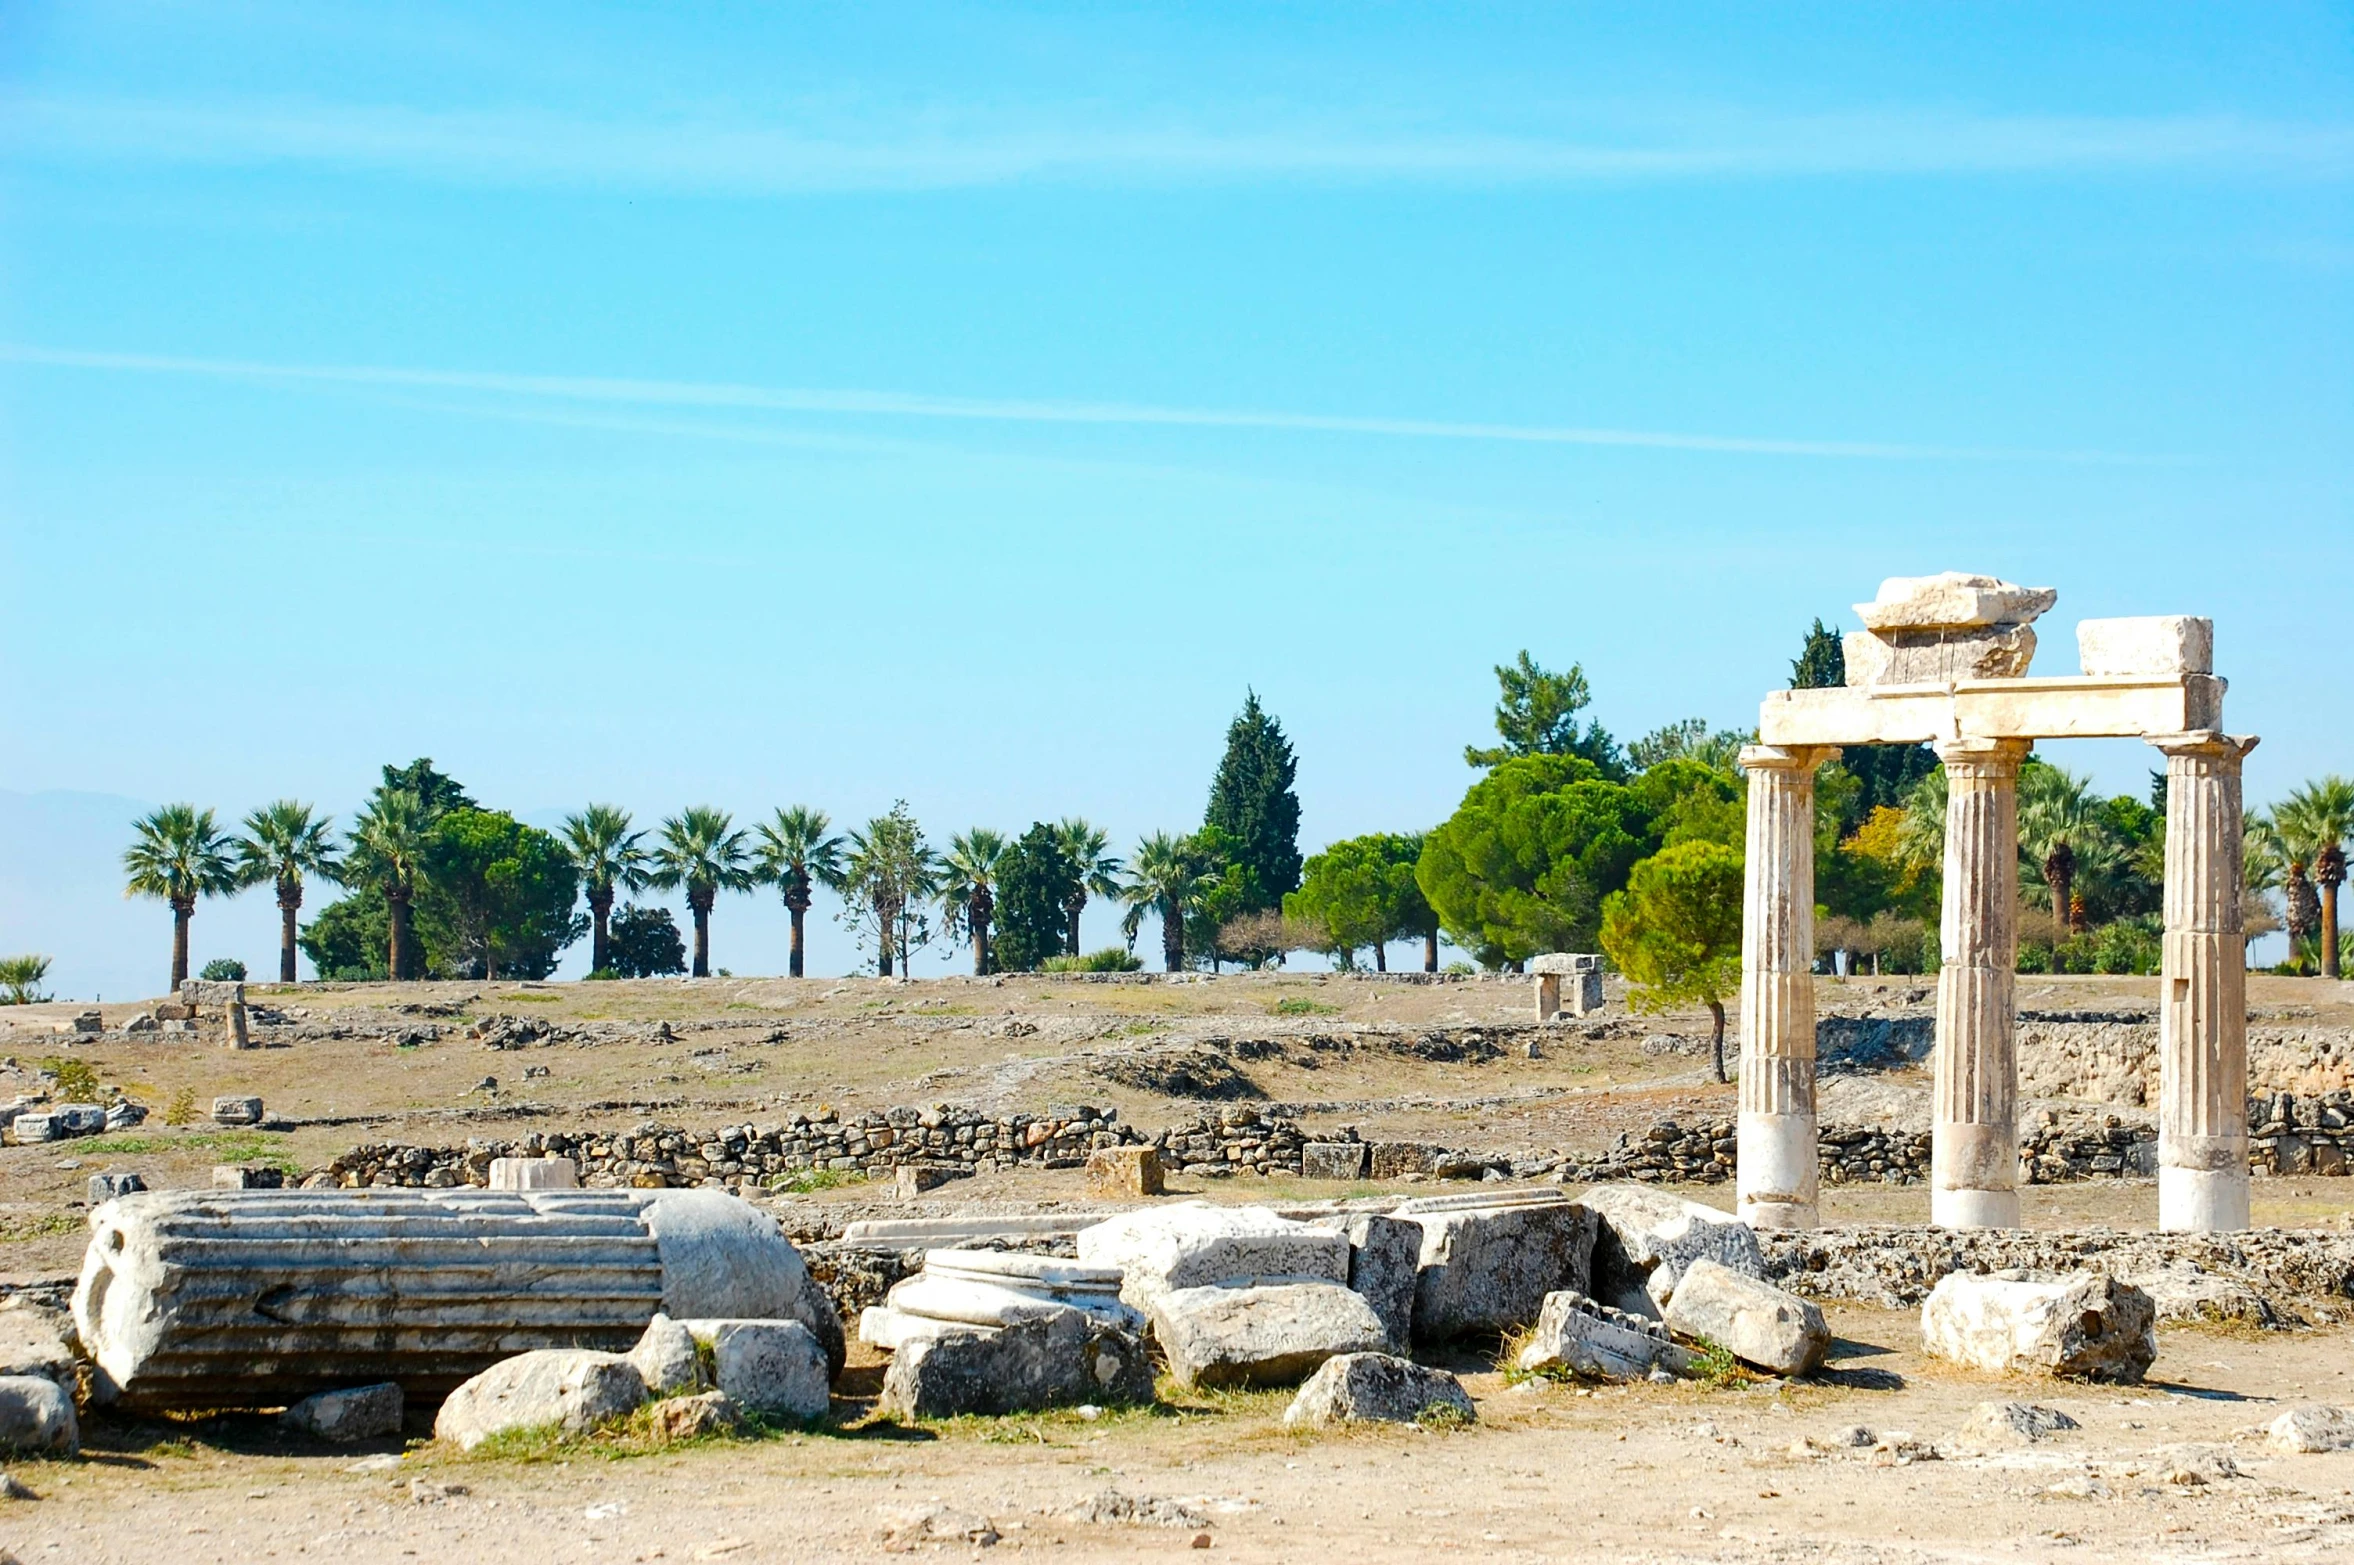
x,y
534,1173
1581,995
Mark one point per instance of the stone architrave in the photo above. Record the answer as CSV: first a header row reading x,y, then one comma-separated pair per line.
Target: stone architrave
x,y
1974,1139
1777,1172
2203,991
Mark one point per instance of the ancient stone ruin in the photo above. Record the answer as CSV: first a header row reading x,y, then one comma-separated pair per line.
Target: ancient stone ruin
x,y
1943,660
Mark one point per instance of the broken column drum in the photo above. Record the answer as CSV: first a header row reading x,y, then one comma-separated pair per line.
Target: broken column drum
x,y
2203,991
1777,1173
199,1299
1974,1135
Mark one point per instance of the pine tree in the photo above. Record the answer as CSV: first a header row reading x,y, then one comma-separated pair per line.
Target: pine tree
x,y
1252,801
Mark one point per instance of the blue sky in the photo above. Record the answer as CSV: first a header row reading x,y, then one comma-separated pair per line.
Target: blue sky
x,y
773,404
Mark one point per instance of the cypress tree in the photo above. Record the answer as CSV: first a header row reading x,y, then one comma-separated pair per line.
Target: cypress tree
x,y
1251,800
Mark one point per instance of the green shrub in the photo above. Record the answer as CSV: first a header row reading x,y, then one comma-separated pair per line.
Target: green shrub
x,y
223,970
1111,959
181,1110
1459,969
76,1081
1301,1005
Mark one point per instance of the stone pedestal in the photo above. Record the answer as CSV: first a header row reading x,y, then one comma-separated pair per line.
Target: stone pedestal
x,y
534,1173
1567,981
1974,1140
1777,1170
2203,991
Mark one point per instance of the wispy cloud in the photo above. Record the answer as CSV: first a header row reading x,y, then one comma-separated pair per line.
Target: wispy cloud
x,y
722,395
943,148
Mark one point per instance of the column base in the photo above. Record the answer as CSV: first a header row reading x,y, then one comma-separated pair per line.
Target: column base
x,y
1974,1208
1777,1171
2202,1201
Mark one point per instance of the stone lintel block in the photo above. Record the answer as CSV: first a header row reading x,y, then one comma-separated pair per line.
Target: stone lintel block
x,y
1925,657
1125,1172
1333,1160
2148,644
237,1111
1565,962
1952,600
2037,707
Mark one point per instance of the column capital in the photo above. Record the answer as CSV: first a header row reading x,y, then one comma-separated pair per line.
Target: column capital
x,y
1778,758
1984,757
2209,742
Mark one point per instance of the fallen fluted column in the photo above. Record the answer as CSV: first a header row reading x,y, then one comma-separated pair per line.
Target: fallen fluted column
x,y
2203,991
205,1299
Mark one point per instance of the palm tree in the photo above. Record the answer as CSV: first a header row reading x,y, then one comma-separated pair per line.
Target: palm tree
x,y
178,855
390,839
610,858
702,851
1099,872
284,842
795,852
968,879
2315,822
1165,877
888,871
2058,820
20,979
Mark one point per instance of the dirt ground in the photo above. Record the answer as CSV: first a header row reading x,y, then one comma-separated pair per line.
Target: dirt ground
x,y
1550,1471
2159,1472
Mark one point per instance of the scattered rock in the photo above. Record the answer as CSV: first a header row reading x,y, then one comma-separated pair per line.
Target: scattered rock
x,y
1264,1334
11,1488
361,1413
33,1342
1576,1335
1062,1361
1645,1238
2312,1428
1489,1269
692,1417
36,1414
2185,1291
2078,1327
906,1527
1753,1320
1377,1388
772,1367
105,1187
237,1111
665,1358
2015,1423
570,1388
1135,1510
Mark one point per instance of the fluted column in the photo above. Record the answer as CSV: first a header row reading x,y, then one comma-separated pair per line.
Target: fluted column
x,y
1974,1140
1776,1166
2203,991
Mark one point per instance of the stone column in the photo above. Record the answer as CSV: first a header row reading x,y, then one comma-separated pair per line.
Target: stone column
x,y
1777,1172
1974,1140
2203,991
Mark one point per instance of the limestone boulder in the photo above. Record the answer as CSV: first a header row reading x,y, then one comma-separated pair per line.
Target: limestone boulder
x,y
2015,1423
1756,1322
1644,1239
1576,1335
1125,1173
1159,1249
1385,1267
341,1417
33,1342
570,1389
666,1358
37,1415
813,1307
2312,1428
693,1417
1266,1334
776,1368
2081,1326
1063,1360
1358,1388
1487,1268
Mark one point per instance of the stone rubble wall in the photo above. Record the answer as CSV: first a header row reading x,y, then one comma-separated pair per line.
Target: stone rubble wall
x,y
1895,1267
2099,1057
754,1156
